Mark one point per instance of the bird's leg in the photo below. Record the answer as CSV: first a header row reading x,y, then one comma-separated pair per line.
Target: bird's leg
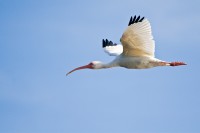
x,y
163,63
177,63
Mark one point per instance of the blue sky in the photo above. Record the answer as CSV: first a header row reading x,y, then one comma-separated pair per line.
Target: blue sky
x,y
41,40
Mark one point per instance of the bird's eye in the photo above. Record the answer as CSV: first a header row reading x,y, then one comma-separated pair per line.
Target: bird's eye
x,y
90,63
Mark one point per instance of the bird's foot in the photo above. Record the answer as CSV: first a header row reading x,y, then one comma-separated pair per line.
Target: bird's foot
x,y
177,63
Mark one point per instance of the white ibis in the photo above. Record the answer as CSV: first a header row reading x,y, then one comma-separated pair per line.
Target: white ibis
x,y
137,49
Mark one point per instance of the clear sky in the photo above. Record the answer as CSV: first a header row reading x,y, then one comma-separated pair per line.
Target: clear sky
x,y
41,40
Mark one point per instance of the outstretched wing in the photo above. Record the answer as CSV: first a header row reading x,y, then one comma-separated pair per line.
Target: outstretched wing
x,y
111,48
137,40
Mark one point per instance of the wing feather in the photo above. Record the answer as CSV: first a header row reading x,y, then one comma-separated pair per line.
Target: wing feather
x,y
111,48
137,40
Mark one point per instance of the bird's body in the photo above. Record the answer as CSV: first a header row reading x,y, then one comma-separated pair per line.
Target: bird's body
x,y
131,62
140,62
137,49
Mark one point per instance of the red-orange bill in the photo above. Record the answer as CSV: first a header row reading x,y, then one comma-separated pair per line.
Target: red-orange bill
x,y
79,68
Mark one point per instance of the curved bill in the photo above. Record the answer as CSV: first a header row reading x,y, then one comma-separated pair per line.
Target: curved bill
x,y
79,68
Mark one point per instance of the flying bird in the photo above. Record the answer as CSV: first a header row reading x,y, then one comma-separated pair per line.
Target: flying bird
x,y
136,50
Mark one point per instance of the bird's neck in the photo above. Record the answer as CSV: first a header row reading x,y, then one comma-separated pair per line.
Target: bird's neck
x,y
109,65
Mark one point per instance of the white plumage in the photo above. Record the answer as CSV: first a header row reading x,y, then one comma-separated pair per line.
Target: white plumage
x,y
114,50
137,49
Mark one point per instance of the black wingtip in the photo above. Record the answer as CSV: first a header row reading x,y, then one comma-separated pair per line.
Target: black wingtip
x,y
141,19
106,43
135,20
138,18
103,43
131,19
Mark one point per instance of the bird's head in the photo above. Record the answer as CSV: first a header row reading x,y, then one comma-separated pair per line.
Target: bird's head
x,y
91,65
